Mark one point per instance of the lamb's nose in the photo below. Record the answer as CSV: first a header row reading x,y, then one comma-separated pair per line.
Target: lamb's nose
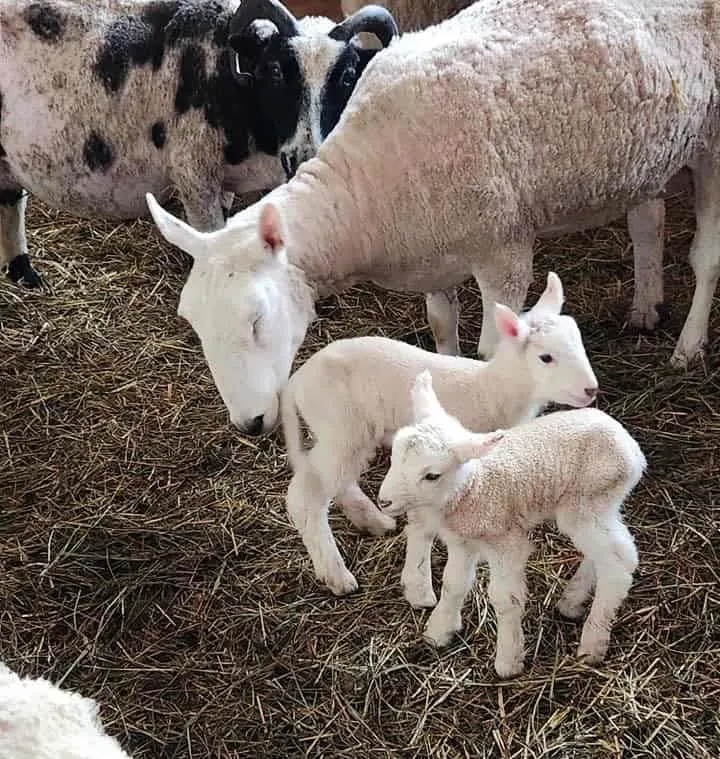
x,y
253,427
591,392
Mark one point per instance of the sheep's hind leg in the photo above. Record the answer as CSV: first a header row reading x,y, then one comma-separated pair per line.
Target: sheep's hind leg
x,y
443,312
612,550
363,513
578,590
13,240
705,261
505,281
308,501
646,223
416,577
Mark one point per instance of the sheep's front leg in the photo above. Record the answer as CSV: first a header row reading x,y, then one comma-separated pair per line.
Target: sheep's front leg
x,y
200,190
13,240
443,311
705,261
416,577
308,501
505,280
507,592
646,224
458,579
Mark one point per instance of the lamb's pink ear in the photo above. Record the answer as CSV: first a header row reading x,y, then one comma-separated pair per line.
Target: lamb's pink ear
x,y
508,323
476,446
424,400
552,298
271,229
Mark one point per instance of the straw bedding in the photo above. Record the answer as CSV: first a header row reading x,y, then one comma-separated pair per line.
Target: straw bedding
x,y
147,561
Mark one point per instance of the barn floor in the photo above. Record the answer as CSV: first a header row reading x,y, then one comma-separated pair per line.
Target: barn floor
x,y
147,561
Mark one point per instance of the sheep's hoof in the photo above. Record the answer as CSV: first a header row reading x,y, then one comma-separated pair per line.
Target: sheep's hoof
x,y
439,633
645,317
594,650
683,355
341,583
570,609
507,669
420,596
21,272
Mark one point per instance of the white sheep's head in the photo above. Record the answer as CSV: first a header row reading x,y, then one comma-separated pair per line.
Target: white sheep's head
x,y
552,347
249,308
427,466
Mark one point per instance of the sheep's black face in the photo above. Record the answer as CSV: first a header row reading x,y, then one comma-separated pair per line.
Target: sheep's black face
x,y
341,81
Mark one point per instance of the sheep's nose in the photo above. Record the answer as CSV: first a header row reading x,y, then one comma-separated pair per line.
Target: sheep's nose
x,y
591,392
253,427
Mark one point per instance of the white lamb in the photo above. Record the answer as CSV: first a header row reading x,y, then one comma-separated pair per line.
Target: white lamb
x,y
355,394
483,493
38,720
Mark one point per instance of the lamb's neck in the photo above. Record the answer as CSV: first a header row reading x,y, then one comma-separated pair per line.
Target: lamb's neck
x,y
330,234
511,396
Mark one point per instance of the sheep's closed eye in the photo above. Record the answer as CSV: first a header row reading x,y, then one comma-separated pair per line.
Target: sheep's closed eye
x,y
546,358
431,476
256,326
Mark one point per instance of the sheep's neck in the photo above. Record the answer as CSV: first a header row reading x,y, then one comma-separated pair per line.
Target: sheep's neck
x,y
510,391
328,235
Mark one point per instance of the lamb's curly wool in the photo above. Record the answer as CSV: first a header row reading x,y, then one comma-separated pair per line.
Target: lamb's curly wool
x,y
38,720
412,15
483,493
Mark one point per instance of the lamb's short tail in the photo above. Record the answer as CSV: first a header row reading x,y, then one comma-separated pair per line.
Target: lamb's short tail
x,y
290,416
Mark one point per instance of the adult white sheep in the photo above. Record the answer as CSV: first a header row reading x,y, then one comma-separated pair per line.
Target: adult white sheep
x,y
101,102
353,396
38,720
461,144
483,493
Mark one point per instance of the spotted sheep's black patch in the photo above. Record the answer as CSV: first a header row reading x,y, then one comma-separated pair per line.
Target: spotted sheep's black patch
x,y
46,21
10,197
2,150
98,154
138,40
192,80
158,134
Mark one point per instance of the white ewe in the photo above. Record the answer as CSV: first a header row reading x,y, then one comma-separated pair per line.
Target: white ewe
x,y
483,493
355,394
38,720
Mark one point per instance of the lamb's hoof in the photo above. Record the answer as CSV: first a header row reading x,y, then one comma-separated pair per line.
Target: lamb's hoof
x,y
21,272
511,668
593,650
420,596
439,633
684,355
341,582
570,609
645,317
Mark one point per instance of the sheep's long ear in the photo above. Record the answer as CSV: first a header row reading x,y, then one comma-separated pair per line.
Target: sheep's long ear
x,y
553,297
509,324
424,400
476,446
175,231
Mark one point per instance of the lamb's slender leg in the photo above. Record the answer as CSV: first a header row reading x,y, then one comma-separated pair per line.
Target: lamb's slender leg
x,y
443,312
308,501
416,577
612,550
705,261
507,591
578,590
13,240
458,579
646,224
362,512
506,281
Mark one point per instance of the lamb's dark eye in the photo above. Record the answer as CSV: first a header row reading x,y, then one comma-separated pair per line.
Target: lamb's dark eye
x,y
348,77
546,358
432,476
256,326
